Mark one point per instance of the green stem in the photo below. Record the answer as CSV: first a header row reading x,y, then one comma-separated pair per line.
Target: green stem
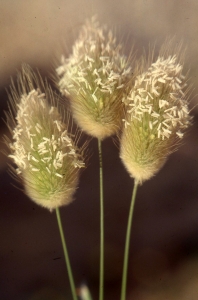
x,y
68,266
101,285
127,243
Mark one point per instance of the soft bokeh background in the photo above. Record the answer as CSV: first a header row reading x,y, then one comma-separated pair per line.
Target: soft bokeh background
x,y
164,243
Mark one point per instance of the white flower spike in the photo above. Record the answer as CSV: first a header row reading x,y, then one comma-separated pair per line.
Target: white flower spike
x,y
156,118
47,160
95,78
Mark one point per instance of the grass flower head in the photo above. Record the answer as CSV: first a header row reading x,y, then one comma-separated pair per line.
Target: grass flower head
x,y
94,77
46,158
156,117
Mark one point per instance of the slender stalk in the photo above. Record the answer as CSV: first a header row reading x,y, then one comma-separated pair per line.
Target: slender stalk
x,y
127,243
68,266
101,284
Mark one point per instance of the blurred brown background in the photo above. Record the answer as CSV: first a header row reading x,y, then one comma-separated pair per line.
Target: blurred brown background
x,y
164,243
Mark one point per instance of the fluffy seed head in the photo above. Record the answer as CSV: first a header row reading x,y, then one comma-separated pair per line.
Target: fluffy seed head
x,y
156,118
84,293
94,77
47,160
